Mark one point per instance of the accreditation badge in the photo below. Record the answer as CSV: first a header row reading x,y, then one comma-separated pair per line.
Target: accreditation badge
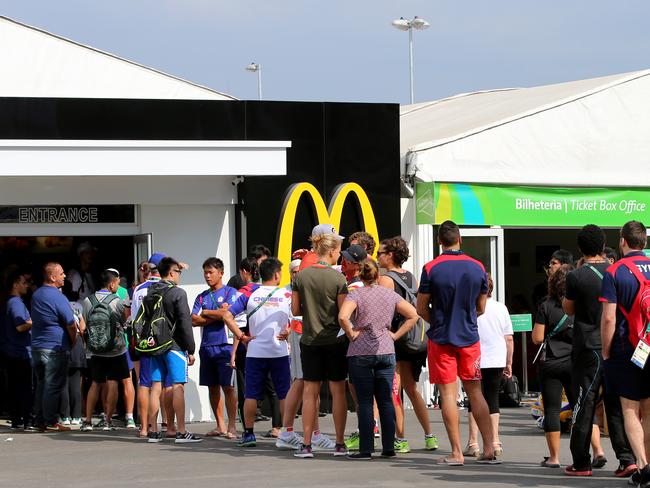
x,y
641,353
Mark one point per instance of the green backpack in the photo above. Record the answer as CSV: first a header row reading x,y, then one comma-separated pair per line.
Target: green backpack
x,y
154,332
102,324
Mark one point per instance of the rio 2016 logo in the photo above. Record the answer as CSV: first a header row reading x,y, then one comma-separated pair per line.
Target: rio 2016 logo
x,y
325,215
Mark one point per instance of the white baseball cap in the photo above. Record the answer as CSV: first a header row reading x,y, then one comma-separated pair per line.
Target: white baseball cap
x,y
322,229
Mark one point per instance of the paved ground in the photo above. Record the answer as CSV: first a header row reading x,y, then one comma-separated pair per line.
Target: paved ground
x,y
117,459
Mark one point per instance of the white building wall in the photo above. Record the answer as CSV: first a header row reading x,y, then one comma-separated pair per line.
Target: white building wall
x,y
199,231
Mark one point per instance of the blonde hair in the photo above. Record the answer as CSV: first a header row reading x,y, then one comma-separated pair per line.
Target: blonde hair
x,y
325,243
368,272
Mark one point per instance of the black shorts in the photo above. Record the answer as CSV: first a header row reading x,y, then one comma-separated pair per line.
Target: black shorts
x,y
113,368
324,363
624,379
417,361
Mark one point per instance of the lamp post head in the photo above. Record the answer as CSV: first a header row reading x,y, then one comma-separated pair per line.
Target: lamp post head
x,y
253,67
420,24
401,24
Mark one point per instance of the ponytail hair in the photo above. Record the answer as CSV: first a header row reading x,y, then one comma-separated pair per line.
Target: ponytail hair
x,y
368,272
324,243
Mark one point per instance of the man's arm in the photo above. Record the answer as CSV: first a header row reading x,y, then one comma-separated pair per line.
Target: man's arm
x,y
510,347
422,306
24,327
480,304
184,336
607,327
229,320
296,306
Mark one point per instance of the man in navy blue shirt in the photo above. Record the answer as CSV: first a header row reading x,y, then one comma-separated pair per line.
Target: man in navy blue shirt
x,y
624,378
452,294
53,332
215,371
17,325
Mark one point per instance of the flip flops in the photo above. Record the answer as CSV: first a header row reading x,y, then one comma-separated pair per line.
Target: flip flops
x,y
449,462
488,460
215,433
546,464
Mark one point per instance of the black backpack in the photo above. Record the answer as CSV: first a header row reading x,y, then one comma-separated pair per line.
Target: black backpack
x,y
415,340
102,324
509,392
154,332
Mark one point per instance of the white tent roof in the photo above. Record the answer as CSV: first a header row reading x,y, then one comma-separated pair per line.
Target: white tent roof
x,y
583,133
36,63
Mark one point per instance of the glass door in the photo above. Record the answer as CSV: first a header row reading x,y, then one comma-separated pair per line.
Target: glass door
x,y
142,244
486,245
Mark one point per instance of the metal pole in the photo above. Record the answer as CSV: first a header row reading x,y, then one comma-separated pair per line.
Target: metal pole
x,y
259,81
411,62
524,362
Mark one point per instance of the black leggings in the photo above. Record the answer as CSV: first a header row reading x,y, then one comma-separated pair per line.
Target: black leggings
x,y
21,397
71,395
490,385
555,374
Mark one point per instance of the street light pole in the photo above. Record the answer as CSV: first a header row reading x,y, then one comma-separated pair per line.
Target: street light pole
x,y
256,68
408,25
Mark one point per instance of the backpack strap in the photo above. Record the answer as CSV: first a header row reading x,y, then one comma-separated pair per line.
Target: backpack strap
x,y
634,335
410,292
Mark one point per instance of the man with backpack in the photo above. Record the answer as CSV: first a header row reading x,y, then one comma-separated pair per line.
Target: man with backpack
x,y
163,330
626,305
583,291
411,349
104,315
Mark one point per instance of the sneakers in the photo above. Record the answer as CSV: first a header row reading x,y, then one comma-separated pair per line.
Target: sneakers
x,y
187,438
360,456
247,440
402,446
304,452
321,442
388,454
30,428
108,426
57,428
75,422
65,421
86,426
17,426
153,437
352,442
430,442
289,440
572,471
101,424
340,450
623,471
130,424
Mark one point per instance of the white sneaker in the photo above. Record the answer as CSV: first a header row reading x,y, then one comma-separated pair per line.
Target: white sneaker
x,y
65,421
321,442
289,440
75,422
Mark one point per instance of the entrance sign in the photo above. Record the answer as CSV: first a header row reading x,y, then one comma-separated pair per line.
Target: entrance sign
x,y
325,215
68,214
522,322
529,206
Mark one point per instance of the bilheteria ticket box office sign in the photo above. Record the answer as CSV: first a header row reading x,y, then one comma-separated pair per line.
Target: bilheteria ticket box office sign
x,y
482,204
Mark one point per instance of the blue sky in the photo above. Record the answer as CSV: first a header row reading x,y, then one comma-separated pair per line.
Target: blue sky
x,y
347,50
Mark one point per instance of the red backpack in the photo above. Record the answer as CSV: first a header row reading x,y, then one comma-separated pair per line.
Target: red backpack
x,y
639,315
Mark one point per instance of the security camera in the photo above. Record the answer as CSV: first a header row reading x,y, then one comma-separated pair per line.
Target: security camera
x,y
236,181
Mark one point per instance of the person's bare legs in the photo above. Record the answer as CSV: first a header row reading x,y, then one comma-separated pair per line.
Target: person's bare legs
x,y
91,401
634,430
170,410
553,442
473,430
154,404
292,404
645,414
143,409
411,388
250,410
495,417
398,404
481,414
230,402
311,391
448,394
214,393
339,409
177,393
129,395
596,444
111,399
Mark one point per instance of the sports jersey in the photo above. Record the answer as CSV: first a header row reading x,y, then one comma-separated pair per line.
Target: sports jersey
x,y
620,286
214,333
268,309
139,293
454,281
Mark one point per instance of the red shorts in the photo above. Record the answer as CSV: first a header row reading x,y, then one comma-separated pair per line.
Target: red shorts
x,y
447,362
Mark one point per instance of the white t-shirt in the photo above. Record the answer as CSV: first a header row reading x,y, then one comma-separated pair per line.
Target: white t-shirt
x,y
267,322
493,326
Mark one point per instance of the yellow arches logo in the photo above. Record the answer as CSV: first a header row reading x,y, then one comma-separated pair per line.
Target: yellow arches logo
x,y
325,215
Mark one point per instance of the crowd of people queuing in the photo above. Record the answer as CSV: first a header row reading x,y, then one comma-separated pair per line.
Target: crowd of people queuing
x,y
348,321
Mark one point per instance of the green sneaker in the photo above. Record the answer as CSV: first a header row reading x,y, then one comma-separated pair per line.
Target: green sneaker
x,y
402,446
430,442
352,442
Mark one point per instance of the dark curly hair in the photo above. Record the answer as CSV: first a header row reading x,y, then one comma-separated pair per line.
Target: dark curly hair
x,y
398,246
591,240
557,282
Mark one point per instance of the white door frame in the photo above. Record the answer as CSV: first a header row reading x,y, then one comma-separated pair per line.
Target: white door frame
x,y
497,255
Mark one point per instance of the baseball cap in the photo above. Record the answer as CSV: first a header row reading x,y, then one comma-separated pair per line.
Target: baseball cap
x,y
155,258
321,229
295,264
354,254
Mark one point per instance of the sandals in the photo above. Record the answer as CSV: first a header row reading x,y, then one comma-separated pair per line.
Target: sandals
x,y
215,433
471,450
230,436
546,464
488,460
448,462
498,448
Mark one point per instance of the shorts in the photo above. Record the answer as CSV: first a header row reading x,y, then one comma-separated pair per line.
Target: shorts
x,y
257,372
168,368
624,379
447,362
294,356
417,361
324,363
129,361
109,368
214,366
